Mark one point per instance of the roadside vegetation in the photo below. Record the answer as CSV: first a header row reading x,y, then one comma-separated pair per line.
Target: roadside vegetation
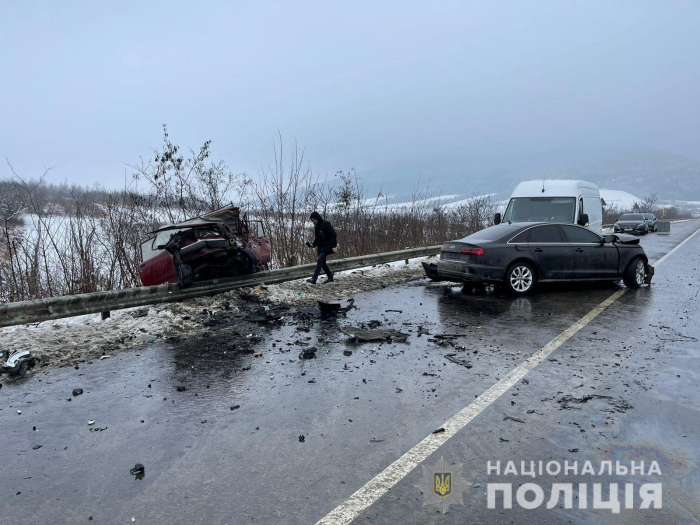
x,y
67,239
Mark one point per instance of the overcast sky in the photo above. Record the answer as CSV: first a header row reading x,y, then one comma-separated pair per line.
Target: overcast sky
x,y
86,86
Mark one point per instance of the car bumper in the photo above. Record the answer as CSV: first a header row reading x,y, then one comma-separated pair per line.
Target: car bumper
x,y
649,274
468,272
628,229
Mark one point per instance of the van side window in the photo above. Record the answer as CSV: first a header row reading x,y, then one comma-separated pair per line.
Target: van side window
x,y
594,209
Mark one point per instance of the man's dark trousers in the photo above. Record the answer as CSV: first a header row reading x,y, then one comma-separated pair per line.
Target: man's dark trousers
x,y
323,253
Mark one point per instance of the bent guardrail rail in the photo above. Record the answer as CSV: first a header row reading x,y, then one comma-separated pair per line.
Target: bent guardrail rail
x,y
24,312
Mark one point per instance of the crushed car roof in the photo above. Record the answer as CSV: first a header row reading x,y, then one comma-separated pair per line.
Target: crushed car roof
x,y
190,223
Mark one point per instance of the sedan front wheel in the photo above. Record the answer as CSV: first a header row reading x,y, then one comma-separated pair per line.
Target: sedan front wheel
x,y
520,279
635,273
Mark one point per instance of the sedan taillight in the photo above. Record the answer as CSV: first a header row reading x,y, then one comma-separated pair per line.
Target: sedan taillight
x,y
473,251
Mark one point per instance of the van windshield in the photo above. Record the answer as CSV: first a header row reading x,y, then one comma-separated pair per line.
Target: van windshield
x,y
541,209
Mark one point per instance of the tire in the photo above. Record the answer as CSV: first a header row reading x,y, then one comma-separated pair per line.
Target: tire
x,y
520,278
635,273
23,367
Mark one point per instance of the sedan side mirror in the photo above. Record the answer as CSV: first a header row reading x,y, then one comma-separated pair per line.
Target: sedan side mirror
x,y
583,219
497,218
609,239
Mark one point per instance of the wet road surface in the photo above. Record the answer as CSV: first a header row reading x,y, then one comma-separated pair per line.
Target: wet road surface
x,y
169,407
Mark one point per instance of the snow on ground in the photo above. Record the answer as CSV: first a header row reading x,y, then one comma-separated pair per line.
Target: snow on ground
x,y
619,198
66,341
456,204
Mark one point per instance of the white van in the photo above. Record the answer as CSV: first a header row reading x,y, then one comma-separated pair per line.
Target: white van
x,y
568,201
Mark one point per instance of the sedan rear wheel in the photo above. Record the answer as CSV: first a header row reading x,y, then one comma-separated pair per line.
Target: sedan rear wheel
x,y
520,278
635,273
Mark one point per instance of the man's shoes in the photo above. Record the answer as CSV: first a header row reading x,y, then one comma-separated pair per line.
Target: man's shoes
x,y
329,280
311,281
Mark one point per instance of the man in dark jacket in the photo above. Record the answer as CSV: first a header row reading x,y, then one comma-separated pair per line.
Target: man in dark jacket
x,y
326,242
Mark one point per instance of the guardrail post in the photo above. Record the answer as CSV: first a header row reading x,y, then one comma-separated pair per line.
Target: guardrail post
x,y
105,315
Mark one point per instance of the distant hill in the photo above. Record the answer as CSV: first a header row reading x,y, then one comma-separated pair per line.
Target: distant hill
x,y
671,176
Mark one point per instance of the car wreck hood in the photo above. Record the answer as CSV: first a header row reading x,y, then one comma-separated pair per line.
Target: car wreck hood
x,y
626,239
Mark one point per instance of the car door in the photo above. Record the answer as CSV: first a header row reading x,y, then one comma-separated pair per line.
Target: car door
x,y
553,255
592,258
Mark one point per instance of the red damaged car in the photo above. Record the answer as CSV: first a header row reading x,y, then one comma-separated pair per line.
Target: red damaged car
x,y
219,244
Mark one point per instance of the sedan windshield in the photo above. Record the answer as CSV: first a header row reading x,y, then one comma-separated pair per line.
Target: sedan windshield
x,y
541,209
632,217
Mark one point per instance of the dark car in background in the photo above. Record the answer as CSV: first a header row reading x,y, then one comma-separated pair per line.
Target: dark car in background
x,y
651,221
632,223
520,255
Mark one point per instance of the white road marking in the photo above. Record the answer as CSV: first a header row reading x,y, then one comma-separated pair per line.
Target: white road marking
x,y
347,511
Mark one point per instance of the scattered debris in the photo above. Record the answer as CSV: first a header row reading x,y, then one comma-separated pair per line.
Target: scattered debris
x,y
235,407
308,353
91,422
619,405
263,315
510,418
77,392
36,447
140,313
459,360
347,353
335,307
302,438
376,334
439,430
139,471
180,388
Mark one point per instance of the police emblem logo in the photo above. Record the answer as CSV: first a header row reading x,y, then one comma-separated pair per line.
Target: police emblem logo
x,y
442,485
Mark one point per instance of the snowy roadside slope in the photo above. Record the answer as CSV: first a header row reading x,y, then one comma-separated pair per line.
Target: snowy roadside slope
x,y
67,341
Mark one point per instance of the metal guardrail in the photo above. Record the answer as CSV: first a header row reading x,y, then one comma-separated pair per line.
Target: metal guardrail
x,y
38,310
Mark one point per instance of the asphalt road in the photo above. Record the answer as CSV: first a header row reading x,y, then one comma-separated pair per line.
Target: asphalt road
x,y
207,463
